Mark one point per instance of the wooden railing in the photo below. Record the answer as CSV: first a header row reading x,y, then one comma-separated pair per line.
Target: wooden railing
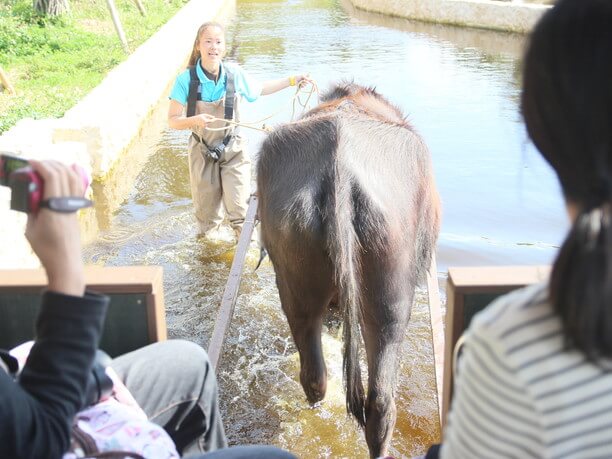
x,y
230,294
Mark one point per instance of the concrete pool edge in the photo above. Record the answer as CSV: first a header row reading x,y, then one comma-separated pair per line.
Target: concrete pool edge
x,y
507,16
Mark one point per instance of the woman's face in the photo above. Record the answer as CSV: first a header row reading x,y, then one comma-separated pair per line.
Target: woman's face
x,y
211,46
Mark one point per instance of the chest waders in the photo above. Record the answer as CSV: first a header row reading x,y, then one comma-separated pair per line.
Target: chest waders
x,y
219,165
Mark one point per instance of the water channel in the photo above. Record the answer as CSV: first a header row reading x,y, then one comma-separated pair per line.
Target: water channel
x,y
460,89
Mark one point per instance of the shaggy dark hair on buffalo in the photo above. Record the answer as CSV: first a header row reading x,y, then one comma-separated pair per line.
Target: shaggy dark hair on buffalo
x,y
351,90
344,88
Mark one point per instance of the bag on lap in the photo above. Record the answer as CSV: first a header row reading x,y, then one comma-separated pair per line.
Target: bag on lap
x,y
114,426
111,429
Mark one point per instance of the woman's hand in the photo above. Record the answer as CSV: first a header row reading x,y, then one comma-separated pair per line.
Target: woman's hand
x,y
203,119
302,80
56,237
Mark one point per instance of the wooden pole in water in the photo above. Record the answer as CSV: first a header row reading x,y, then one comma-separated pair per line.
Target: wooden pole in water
x,y
230,294
6,83
118,27
437,329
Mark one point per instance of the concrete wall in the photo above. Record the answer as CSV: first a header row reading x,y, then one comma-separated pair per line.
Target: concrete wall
x,y
99,130
510,16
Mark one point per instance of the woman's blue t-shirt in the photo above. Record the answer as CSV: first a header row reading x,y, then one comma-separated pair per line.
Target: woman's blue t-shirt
x,y
246,86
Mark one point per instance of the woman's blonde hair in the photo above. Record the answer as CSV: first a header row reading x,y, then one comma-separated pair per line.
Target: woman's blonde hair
x,y
195,53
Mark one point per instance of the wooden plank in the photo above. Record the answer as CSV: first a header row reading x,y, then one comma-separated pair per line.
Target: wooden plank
x,y
118,279
156,315
486,278
230,294
454,310
471,285
115,281
437,330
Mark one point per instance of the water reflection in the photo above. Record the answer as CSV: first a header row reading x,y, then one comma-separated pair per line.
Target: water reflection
x,y
459,87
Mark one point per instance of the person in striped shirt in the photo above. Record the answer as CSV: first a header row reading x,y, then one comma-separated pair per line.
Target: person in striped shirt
x,y
534,379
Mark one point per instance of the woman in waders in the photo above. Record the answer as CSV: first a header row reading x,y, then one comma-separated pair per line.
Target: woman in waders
x,y
219,165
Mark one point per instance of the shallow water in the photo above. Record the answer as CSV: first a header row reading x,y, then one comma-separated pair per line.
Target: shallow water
x,y
501,205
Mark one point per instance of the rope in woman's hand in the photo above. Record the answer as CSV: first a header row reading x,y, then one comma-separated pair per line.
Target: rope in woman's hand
x,y
295,100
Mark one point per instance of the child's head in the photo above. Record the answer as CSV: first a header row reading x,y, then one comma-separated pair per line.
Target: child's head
x,y
567,105
209,42
567,97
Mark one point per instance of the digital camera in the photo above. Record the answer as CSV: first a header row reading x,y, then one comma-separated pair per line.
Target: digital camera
x,y
27,187
216,151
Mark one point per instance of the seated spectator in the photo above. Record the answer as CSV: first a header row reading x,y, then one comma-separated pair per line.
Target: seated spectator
x,y
172,381
534,378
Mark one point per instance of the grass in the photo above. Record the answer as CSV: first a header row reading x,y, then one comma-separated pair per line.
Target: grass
x,y
53,63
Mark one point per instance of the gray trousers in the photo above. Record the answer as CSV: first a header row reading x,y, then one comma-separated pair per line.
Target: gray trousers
x,y
220,187
175,384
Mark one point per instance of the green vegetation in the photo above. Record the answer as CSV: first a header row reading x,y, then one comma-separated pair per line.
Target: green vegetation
x,y
53,63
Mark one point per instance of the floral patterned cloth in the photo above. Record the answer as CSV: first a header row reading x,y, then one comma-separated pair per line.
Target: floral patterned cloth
x,y
116,427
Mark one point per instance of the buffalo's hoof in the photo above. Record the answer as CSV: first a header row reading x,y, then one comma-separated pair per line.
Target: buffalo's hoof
x,y
315,391
315,396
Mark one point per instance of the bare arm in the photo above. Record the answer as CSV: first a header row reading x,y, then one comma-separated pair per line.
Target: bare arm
x,y
272,86
55,237
177,120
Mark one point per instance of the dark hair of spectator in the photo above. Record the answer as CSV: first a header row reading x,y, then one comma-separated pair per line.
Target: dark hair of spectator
x,y
567,106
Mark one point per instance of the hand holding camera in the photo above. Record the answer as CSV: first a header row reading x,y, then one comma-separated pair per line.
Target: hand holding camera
x,y
27,187
52,227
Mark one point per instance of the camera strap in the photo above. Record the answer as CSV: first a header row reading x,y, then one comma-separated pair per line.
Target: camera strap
x,y
66,204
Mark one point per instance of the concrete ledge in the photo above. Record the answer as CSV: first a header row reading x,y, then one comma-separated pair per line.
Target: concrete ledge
x,y
509,16
99,130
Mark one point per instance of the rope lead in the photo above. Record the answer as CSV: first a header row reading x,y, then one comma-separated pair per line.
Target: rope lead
x,y
264,128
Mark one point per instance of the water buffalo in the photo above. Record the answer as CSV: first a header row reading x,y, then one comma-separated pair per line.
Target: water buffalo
x,y
349,215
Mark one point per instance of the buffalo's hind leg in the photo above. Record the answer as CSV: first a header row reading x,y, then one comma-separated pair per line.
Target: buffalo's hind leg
x,y
385,320
305,305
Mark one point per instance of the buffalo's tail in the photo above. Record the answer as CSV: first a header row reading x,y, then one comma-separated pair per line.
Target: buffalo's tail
x,y
262,255
343,245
